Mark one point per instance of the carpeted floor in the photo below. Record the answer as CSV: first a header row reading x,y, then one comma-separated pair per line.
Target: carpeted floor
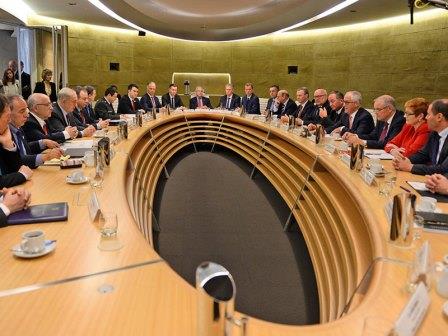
x,y
210,210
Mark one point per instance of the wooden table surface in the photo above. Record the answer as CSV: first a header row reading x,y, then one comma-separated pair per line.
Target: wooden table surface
x,y
58,293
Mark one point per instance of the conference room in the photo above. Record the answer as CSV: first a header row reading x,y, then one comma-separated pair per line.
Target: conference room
x,y
224,168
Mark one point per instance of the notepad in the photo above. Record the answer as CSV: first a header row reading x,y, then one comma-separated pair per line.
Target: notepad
x,y
378,154
42,213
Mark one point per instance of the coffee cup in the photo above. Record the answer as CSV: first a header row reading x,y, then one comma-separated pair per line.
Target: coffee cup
x,y
77,176
427,204
376,166
33,241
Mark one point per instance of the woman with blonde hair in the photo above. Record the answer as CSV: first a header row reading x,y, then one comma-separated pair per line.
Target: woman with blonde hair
x,y
415,132
46,86
11,85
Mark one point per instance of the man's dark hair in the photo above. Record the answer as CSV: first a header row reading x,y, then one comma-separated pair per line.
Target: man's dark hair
x,y
276,86
89,89
78,90
440,106
130,86
338,94
111,90
3,103
172,85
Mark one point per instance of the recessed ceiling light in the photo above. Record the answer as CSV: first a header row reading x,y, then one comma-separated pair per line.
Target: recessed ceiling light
x,y
72,3
353,11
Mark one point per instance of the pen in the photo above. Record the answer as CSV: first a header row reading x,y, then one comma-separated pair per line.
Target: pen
x,y
405,189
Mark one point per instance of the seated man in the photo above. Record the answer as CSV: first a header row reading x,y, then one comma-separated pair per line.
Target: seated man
x,y
12,200
62,115
230,101
389,124
336,101
37,127
129,103
171,98
320,112
287,106
30,152
103,107
273,103
356,120
304,105
199,101
149,99
84,121
433,158
11,172
89,113
250,101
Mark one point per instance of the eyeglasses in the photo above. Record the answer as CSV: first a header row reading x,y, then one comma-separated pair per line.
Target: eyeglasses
x,y
380,109
348,102
47,104
319,96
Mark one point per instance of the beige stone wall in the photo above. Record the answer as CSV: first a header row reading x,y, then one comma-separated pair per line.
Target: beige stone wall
x,y
394,58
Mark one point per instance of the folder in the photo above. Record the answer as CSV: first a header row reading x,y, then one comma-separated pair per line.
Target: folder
x,y
42,213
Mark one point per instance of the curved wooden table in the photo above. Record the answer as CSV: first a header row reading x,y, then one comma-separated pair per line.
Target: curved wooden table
x,y
341,218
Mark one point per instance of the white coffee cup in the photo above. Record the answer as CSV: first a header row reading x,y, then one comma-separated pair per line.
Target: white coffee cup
x,y
376,166
427,204
33,241
77,176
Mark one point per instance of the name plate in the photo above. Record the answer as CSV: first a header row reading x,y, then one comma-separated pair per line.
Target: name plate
x,y
330,148
346,159
412,315
94,208
367,176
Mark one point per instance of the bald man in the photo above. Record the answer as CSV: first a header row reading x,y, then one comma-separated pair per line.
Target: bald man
x,y
320,113
149,99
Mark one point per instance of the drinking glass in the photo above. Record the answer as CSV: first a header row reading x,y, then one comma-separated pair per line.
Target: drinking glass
x,y
418,227
96,179
108,223
385,187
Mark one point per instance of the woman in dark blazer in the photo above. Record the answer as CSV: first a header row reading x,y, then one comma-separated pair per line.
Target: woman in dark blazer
x,y
46,86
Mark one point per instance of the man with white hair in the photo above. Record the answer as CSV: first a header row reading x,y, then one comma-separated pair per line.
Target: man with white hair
x,y
320,112
390,122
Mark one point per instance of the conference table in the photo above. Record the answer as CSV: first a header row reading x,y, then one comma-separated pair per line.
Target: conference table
x,y
79,289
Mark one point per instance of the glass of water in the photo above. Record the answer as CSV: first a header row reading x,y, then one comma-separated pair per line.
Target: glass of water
x,y
96,179
108,223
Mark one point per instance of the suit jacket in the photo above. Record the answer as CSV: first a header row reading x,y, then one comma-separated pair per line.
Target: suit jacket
x,y
205,102
2,219
80,119
57,121
311,115
146,103
33,131
289,109
89,115
373,138
28,158
26,83
235,102
10,162
166,100
104,110
362,124
425,159
411,139
251,105
125,106
335,116
269,106
40,88
302,112
11,180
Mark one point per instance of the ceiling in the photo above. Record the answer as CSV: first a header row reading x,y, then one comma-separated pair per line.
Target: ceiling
x,y
218,20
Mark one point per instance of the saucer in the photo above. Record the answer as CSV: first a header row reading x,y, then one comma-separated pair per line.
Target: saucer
x,y
69,180
50,245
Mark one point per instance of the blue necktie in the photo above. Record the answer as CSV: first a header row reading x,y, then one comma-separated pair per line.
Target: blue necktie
x,y
20,144
435,150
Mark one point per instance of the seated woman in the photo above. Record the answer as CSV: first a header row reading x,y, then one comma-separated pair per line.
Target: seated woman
x,y
414,133
46,86
10,84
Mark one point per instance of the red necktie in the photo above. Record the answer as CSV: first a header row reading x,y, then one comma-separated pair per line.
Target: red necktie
x,y
132,104
384,132
45,129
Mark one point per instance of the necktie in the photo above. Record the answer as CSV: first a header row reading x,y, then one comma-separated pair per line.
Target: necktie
x,y
199,102
384,132
132,104
435,149
299,113
20,143
172,102
228,103
350,122
45,129
153,103
83,118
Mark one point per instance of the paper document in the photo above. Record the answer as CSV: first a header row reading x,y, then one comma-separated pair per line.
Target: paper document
x,y
77,144
419,186
377,154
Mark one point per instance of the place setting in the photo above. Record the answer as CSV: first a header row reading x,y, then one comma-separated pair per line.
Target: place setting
x,y
33,245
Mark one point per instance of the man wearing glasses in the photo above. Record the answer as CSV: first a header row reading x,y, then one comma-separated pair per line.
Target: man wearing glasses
x,y
356,120
320,113
37,128
390,122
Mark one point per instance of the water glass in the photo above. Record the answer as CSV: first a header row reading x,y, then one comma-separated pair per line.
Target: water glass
x,y
418,227
96,179
385,187
108,224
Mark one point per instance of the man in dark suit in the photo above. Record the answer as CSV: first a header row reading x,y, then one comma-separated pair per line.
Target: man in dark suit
x,y
31,153
14,199
356,120
149,99
62,115
287,106
103,107
25,79
89,113
82,117
336,101
320,112
199,101
250,101
272,105
10,163
433,157
230,101
129,104
171,98
37,126
389,124
304,105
